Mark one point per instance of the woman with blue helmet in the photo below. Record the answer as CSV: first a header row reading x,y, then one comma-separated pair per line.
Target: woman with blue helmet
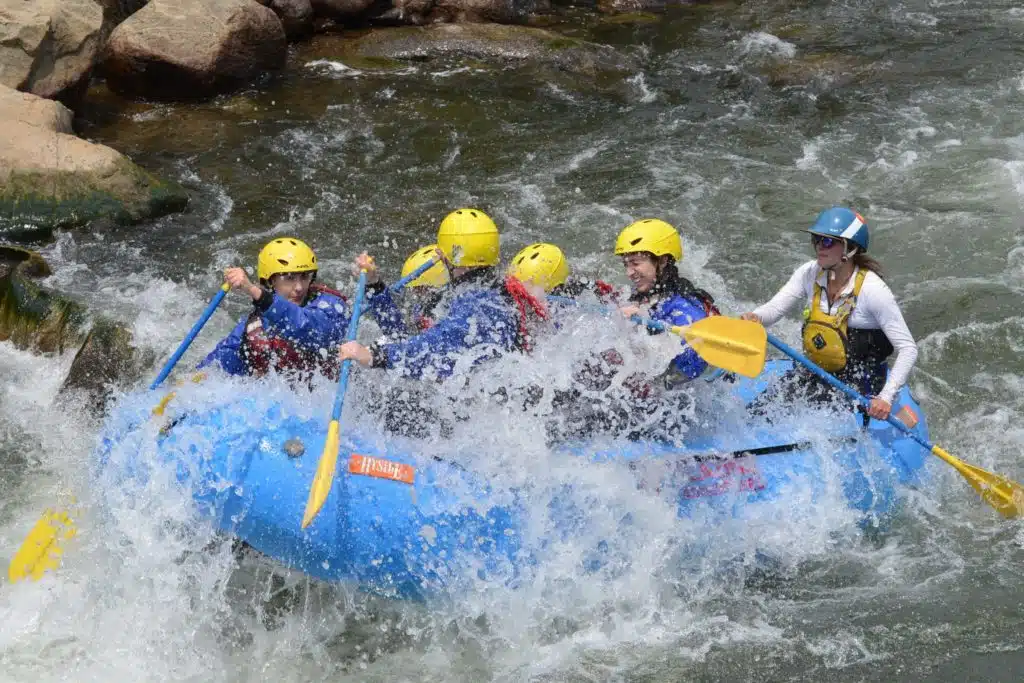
x,y
852,323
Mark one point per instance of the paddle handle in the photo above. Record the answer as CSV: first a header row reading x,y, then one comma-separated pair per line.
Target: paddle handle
x,y
190,337
845,388
413,275
656,325
350,335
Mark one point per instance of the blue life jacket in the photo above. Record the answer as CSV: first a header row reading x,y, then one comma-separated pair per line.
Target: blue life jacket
x,y
678,302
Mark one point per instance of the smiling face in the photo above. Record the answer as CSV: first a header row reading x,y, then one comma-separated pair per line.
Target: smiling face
x,y
292,286
829,250
642,270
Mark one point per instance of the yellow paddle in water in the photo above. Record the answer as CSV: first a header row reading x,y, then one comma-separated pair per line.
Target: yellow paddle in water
x,y
42,548
1004,495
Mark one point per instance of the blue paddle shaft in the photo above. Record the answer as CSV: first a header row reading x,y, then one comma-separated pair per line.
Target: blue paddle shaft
x,y
846,389
350,335
413,275
189,338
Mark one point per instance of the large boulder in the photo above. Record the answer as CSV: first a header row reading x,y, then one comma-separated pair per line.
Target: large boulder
x,y
495,42
51,179
296,16
49,47
38,319
193,49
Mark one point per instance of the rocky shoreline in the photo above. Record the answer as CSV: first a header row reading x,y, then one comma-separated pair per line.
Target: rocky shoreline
x,y
194,50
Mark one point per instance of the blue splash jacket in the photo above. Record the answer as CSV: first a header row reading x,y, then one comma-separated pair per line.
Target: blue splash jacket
x,y
478,315
319,324
681,310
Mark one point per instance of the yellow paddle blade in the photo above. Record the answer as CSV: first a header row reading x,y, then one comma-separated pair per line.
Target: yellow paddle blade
x,y
1004,495
324,476
43,547
162,405
729,343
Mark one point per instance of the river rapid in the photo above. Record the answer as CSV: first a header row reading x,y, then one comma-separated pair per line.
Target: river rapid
x,y
740,122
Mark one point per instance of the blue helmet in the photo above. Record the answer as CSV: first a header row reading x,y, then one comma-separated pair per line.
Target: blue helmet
x,y
844,223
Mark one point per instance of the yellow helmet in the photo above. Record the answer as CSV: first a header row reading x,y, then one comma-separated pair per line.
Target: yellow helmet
x,y
651,235
285,255
468,237
435,276
541,264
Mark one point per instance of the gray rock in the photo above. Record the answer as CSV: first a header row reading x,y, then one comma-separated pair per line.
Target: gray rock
x,y
193,49
49,47
106,359
50,178
485,42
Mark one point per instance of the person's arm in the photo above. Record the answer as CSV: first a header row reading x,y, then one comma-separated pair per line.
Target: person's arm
x,y
228,353
880,303
382,305
320,324
793,293
684,311
471,320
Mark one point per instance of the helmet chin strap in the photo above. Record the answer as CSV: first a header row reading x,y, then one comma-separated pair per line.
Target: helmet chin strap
x,y
845,258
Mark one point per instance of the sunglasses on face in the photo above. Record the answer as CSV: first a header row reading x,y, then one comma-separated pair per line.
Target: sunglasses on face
x,y
824,241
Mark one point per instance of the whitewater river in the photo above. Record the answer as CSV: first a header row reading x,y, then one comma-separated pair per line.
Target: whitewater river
x,y
738,123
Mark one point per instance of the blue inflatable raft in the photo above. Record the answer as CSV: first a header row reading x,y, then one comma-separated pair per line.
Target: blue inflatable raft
x,y
410,524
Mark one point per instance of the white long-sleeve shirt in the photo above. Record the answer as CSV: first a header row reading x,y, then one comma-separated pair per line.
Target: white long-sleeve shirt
x,y
876,309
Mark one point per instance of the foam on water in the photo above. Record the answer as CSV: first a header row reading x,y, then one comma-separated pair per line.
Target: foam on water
x,y
933,157
164,594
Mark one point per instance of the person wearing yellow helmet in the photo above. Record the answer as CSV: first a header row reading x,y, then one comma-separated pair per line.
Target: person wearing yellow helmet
x,y
469,239
293,318
650,249
544,266
481,309
426,290
640,406
435,276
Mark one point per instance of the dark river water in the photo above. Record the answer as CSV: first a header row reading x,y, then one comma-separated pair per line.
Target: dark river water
x,y
738,123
